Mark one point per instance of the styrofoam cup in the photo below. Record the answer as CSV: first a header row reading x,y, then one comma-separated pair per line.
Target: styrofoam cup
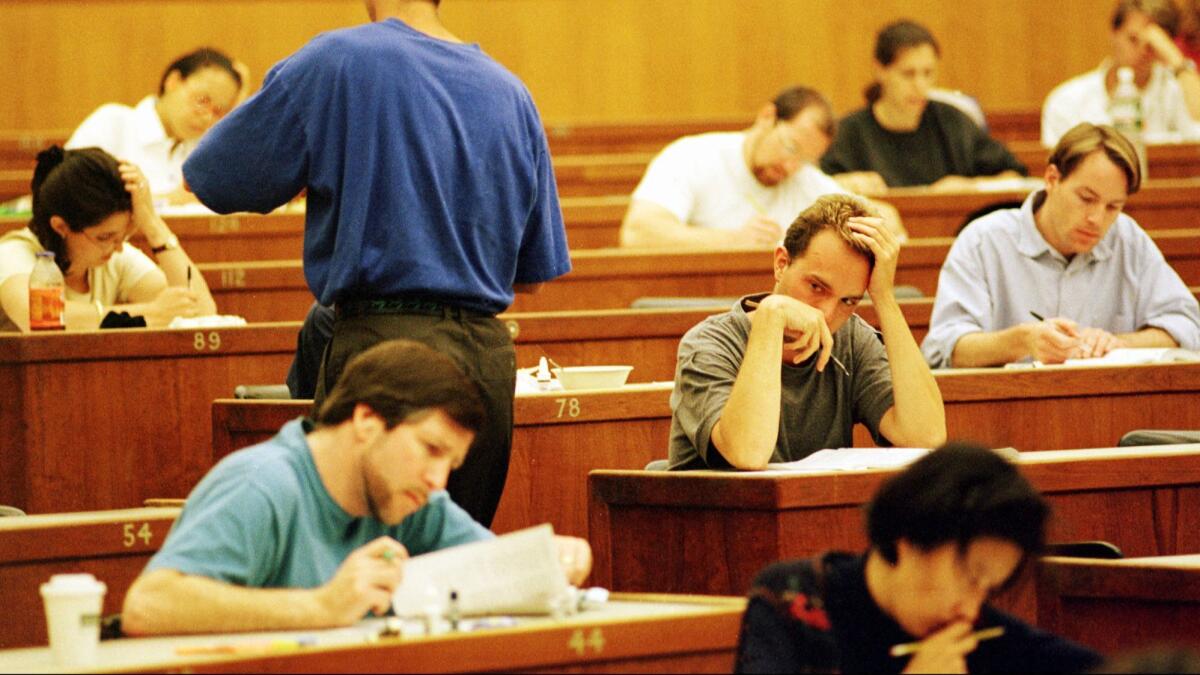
x,y
73,604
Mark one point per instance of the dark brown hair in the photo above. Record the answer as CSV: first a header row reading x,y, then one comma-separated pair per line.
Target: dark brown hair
x,y
795,100
1162,12
204,57
1085,138
828,212
893,39
398,380
83,187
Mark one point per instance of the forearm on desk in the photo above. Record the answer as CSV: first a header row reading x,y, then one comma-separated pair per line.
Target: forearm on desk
x,y
1148,337
165,602
982,349
748,429
918,415
649,225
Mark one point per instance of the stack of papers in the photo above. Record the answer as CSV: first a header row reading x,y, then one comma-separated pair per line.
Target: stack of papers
x,y
1133,357
517,573
852,459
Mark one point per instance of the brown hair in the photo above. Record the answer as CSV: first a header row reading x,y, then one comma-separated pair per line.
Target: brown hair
x,y
829,212
1162,12
794,100
893,39
83,187
400,379
1085,138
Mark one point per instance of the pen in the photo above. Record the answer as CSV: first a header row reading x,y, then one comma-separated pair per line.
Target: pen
x,y
1037,316
189,277
980,635
754,204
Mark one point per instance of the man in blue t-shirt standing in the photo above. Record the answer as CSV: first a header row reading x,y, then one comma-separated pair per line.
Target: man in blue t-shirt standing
x,y
431,199
311,528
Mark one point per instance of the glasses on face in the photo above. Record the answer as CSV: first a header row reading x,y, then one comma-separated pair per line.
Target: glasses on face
x,y
787,142
108,239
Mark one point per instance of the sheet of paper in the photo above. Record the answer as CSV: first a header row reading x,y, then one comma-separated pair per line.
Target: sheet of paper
x,y
517,573
1131,357
852,459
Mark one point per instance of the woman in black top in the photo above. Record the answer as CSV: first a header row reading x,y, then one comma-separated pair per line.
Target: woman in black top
x,y
955,527
902,138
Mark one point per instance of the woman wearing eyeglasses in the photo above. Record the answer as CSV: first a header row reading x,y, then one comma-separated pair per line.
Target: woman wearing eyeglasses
x,y
159,133
86,205
903,138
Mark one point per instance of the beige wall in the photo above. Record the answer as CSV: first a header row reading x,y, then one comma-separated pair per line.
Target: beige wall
x,y
584,60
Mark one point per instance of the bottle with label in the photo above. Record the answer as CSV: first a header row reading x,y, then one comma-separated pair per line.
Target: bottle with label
x,y
1125,109
47,294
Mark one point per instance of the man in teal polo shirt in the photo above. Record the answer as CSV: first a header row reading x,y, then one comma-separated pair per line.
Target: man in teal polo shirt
x,y
311,528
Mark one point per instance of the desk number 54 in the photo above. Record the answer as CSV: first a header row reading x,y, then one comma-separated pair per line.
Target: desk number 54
x,y
129,537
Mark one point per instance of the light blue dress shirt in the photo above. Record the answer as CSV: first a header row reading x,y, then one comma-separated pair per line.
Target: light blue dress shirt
x,y
1001,268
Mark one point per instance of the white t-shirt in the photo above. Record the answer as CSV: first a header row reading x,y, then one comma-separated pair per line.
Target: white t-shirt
x,y
705,182
1165,117
109,283
137,135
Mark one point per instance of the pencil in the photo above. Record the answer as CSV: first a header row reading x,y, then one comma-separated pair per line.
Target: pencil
x,y
980,635
189,277
1037,316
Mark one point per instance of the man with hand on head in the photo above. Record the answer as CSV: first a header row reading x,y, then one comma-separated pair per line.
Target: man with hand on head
x,y
1142,39
311,528
787,373
726,189
949,532
1068,255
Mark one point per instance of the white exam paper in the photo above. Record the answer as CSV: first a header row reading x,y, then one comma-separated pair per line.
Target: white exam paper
x,y
852,459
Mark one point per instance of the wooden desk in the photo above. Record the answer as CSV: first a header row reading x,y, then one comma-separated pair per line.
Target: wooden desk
x,y
710,532
599,175
1014,125
14,183
103,420
626,429
614,278
1167,160
112,545
631,633
19,148
589,138
1122,605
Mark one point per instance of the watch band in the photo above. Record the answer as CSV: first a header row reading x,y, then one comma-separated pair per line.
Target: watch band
x,y
1186,64
172,242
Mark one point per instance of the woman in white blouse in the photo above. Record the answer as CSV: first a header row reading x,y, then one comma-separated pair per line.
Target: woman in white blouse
x,y
159,133
86,205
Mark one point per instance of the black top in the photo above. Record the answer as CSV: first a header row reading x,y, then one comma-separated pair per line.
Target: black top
x,y
799,621
946,142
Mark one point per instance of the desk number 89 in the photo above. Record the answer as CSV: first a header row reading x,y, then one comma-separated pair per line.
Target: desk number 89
x,y
211,342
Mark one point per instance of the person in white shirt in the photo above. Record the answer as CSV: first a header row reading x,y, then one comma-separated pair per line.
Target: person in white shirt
x,y
159,133
86,206
738,188
1142,40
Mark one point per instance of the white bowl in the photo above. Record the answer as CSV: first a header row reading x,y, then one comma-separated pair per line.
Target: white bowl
x,y
592,377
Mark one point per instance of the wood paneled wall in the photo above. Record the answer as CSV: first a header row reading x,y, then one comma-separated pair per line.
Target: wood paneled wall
x,y
584,60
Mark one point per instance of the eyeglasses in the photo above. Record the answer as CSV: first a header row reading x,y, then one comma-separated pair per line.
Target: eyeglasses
x,y
786,141
108,239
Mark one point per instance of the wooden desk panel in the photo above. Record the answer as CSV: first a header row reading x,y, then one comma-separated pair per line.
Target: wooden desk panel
x,y
599,174
631,137
19,148
1167,160
626,430
113,546
631,633
105,420
14,183
614,278
1122,605
710,532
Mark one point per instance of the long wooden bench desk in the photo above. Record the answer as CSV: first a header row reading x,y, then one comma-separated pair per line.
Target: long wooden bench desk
x,y
614,278
1167,160
112,545
710,532
630,633
1122,605
561,436
101,420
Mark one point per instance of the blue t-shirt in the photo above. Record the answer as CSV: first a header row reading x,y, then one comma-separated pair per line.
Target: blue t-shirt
x,y
425,161
262,518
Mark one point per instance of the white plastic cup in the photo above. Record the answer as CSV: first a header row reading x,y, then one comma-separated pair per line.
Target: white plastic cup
x,y
73,605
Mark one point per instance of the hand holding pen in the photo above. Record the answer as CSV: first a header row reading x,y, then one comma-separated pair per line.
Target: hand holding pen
x,y
1052,340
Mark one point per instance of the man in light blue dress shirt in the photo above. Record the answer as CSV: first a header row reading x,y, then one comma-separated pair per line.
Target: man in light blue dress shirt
x,y
1068,255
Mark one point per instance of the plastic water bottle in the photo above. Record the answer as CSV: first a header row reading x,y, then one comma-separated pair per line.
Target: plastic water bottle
x,y
1125,109
47,294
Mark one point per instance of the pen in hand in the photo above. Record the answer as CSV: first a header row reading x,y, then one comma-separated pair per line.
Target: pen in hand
x,y
1035,315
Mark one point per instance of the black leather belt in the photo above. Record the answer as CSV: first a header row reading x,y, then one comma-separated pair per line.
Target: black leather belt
x,y
391,306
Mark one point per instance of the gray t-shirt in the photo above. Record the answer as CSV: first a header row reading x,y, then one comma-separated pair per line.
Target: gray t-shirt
x,y
819,410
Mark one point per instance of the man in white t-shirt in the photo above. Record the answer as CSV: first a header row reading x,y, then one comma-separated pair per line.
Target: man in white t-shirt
x,y
738,188
1142,33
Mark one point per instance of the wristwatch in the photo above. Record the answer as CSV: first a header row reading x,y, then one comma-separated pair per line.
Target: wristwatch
x,y
172,242
1186,64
